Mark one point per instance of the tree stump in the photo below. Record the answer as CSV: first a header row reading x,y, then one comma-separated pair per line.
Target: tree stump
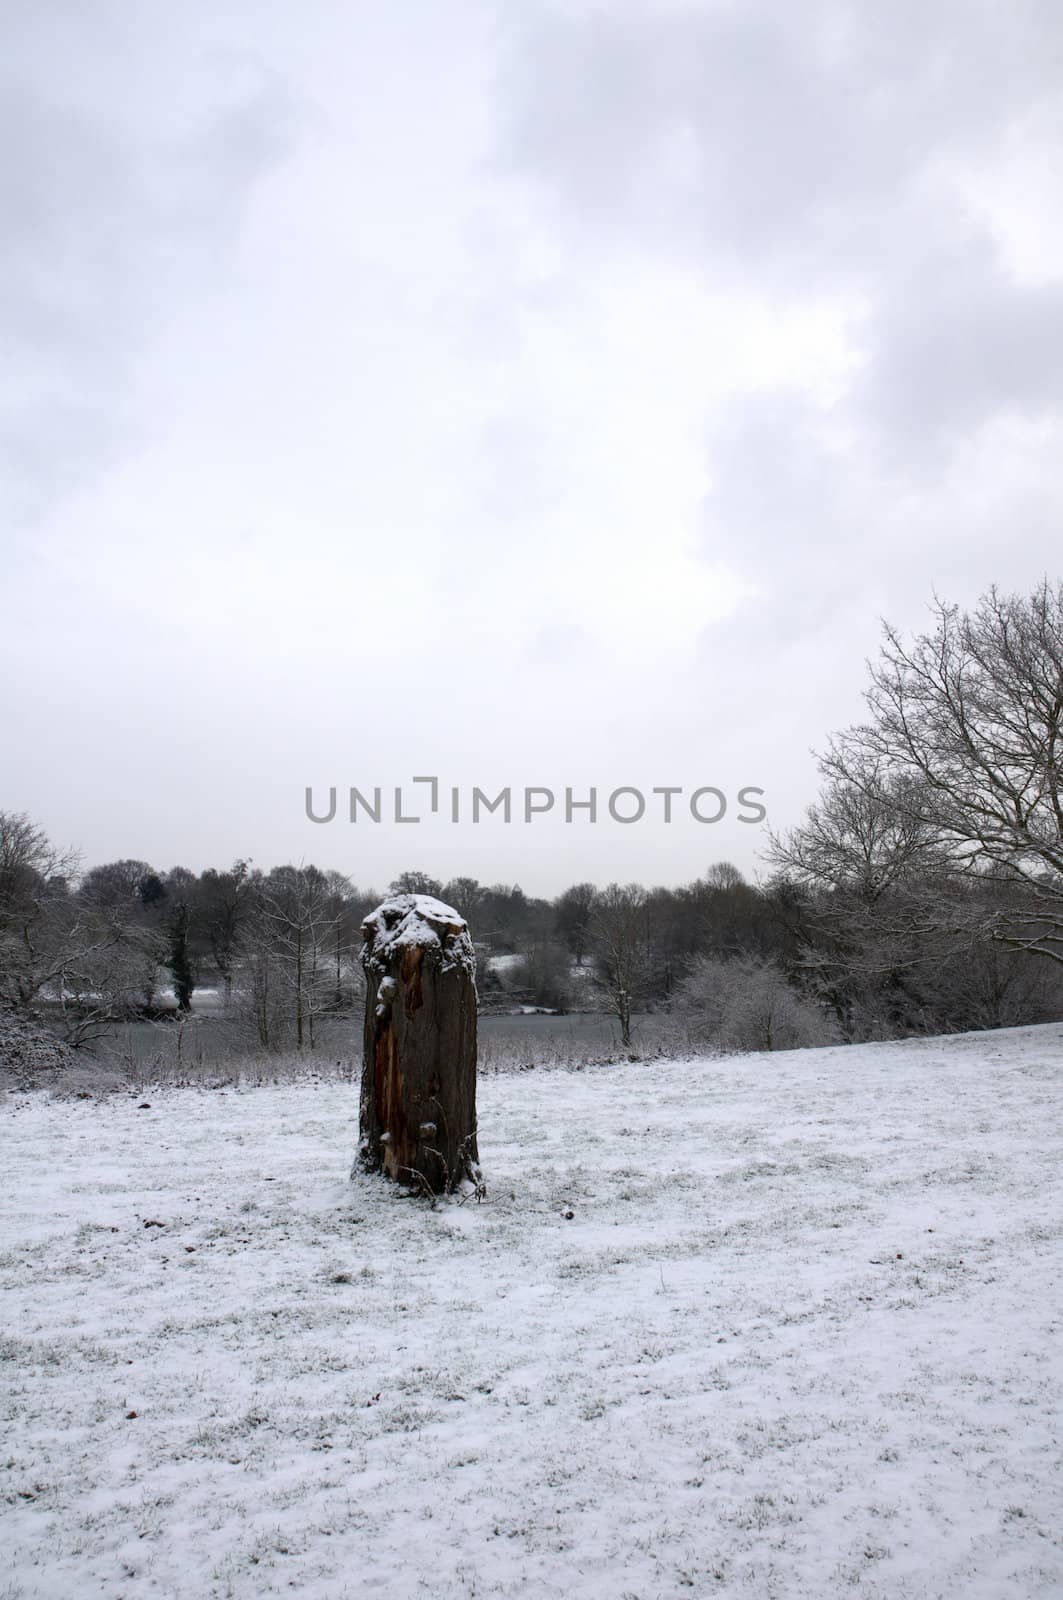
x,y
417,1120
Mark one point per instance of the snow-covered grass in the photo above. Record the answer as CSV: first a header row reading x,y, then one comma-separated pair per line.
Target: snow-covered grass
x,y
212,1057
784,1325
567,1046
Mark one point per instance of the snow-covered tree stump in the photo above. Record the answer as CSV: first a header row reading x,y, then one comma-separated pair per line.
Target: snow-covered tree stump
x,y
418,1105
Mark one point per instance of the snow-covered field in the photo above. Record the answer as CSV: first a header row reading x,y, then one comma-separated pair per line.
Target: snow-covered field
x,y
768,1326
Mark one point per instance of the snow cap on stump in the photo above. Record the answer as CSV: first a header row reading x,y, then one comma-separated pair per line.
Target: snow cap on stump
x,y
416,921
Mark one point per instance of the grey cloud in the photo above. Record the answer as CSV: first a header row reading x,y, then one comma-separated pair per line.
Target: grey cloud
x,y
807,121
954,344
462,339
784,510
101,232
832,535
771,472
562,646
817,138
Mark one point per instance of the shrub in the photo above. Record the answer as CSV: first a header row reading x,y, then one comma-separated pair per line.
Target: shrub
x,y
746,1003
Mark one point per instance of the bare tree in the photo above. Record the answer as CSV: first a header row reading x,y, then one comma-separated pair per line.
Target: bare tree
x,y
226,902
464,894
106,971
964,746
130,898
573,911
295,950
345,906
416,883
724,875
619,933
864,837
85,957
37,918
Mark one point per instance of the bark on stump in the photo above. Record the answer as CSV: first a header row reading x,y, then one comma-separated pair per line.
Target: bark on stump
x,y
418,1105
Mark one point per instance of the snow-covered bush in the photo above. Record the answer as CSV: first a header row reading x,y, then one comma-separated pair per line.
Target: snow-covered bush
x,y
28,1052
746,1003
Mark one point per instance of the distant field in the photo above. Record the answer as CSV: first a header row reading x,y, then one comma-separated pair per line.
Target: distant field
x,y
209,1037
772,1326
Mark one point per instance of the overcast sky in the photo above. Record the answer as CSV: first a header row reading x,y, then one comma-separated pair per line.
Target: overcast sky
x,y
520,394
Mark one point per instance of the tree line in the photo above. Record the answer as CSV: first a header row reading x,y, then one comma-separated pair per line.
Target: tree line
x,y
770,965
282,947
921,893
